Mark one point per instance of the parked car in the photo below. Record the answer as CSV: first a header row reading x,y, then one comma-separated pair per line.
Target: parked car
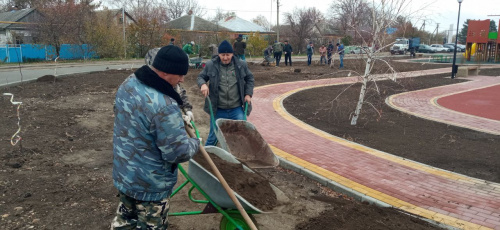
x,y
460,48
426,49
440,48
359,50
450,46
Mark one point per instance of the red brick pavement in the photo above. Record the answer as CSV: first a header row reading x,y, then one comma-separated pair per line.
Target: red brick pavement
x,y
480,102
474,201
423,103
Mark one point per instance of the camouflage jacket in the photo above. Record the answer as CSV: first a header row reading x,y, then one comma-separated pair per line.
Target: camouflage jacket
x,y
149,58
149,141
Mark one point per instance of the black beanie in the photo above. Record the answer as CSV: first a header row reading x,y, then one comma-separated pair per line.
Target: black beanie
x,y
225,47
171,59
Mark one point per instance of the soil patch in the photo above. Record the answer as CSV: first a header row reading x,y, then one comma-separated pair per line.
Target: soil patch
x,y
265,75
379,126
347,215
251,186
59,176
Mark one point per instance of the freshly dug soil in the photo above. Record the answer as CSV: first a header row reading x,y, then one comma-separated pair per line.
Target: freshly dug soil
x,y
247,144
379,126
352,67
348,215
251,186
59,176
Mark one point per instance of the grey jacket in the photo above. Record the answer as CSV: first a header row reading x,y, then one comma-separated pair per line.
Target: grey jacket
x,y
211,74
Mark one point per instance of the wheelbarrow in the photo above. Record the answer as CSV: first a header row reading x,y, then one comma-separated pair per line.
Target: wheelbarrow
x,y
196,62
217,199
241,138
268,60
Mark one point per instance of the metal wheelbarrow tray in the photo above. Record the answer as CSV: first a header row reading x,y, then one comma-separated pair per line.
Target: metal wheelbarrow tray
x,y
242,139
217,199
214,189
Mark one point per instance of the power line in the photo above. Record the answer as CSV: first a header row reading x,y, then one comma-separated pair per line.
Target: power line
x,y
263,11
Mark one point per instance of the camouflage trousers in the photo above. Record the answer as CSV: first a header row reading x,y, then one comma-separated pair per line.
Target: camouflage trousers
x,y
136,214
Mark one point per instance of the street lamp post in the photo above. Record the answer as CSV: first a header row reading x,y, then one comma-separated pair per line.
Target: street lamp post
x,y
454,67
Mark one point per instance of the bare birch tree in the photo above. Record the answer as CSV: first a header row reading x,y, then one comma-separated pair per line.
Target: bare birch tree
x,y
384,14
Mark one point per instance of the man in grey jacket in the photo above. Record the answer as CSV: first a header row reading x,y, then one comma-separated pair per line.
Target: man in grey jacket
x,y
228,84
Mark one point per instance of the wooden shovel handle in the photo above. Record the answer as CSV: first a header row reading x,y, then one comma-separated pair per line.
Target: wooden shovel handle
x,y
223,182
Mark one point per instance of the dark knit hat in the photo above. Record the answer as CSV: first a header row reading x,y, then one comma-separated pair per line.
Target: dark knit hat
x,y
171,59
225,47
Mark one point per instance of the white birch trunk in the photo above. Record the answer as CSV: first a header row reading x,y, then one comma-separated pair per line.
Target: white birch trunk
x,y
362,93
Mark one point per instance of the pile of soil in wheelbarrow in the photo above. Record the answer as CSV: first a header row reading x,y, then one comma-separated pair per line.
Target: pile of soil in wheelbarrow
x,y
251,186
247,145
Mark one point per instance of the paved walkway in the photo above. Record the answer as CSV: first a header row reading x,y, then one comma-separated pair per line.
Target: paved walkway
x,y
436,194
478,102
424,103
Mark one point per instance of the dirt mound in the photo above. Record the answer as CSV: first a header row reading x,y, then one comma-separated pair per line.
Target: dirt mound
x,y
251,186
47,78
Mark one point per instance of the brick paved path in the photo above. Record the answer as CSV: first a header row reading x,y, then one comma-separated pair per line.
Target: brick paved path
x,y
422,103
436,194
479,102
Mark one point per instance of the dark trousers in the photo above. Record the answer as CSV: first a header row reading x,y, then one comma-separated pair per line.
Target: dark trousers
x,y
288,58
329,58
277,56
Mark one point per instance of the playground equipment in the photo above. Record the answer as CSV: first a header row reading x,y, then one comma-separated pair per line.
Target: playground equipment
x,y
472,50
481,43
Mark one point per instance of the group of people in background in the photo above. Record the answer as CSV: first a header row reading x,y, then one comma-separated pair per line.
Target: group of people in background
x,y
326,53
274,52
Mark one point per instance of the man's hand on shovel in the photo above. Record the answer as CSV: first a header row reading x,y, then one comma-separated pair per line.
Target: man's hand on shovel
x,y
187,121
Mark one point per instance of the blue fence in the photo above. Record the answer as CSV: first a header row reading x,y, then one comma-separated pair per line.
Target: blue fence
x,y
32,52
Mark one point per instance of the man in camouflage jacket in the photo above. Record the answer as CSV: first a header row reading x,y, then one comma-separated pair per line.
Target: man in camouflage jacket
x,y
149,140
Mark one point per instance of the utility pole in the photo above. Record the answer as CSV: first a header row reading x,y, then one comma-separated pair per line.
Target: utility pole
x,y
278,20
430,35
271,17
124,37
422,28
437,31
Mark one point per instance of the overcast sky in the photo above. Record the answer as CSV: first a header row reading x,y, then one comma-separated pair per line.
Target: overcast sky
x,y
444,12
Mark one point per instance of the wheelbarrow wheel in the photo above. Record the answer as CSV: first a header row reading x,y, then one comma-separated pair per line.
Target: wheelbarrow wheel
x,y
225,224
